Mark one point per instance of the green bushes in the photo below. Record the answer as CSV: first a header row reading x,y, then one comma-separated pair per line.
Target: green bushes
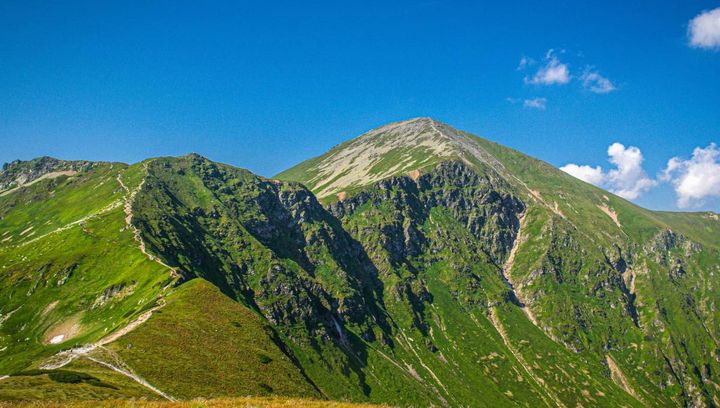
x,y
66,377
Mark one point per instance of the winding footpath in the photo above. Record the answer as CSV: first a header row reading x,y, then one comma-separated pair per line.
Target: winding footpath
x,y
105,210
126,371
92,351
128,208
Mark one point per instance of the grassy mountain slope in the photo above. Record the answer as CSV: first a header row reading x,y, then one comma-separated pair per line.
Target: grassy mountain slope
x,y
245,402
627,288
204,344
274,248
71,270
435,269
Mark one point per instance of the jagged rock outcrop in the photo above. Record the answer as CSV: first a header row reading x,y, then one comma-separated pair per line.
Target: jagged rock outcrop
x,y
19,173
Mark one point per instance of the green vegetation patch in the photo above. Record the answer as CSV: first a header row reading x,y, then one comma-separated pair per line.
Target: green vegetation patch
x,y
203,343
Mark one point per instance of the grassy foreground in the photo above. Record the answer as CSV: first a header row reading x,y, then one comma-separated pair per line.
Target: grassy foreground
x,y
213,403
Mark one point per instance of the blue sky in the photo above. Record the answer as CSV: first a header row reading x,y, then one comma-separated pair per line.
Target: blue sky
x,y
264,85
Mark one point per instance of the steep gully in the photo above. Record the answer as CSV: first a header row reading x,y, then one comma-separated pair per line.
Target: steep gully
x,y
506,274
495,319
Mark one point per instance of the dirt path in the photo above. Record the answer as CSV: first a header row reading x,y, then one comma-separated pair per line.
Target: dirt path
x,y
131,326
66,357
128,208
619,377
122,368
106,209
94,350
90,351
495,320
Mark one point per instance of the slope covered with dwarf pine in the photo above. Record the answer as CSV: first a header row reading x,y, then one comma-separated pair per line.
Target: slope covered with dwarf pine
x,y
433,268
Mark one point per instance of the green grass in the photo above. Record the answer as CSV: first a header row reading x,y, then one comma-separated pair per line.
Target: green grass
x,y
96,382
245,402
203,343
61,275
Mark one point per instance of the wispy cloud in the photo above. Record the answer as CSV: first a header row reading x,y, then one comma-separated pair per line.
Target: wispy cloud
x,y
553,72
628,179
704,30
695,179
594,82
524,63
535,103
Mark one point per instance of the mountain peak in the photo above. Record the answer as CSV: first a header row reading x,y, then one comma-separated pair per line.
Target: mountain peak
x,y
390,150
415,127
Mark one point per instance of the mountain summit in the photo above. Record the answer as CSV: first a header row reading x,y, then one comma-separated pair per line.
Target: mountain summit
x,y
389,150
416,265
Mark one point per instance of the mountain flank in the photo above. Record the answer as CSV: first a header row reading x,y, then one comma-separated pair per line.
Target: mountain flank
x,y
416,265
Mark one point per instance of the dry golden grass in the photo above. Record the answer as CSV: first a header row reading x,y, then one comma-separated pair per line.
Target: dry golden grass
x,y
246,402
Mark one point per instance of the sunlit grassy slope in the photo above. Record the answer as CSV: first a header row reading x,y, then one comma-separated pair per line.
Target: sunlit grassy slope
x,y
437,269
603,278
240,402
65,245
203,343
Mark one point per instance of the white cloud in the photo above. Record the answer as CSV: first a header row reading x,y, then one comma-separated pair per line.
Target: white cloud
x,y
553,72
594,82
627,179
704,30
535,103
588,174
524,63
695,179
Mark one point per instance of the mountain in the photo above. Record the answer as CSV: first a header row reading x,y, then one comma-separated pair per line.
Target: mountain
x,y
415,265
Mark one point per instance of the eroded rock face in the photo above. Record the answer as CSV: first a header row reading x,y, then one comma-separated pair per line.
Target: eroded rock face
x,y
18,173
113,293
311,271
451,215
481,204
665,242
270,244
